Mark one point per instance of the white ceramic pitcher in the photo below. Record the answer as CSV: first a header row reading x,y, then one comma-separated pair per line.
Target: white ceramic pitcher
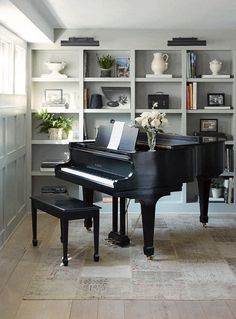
x,y
159,63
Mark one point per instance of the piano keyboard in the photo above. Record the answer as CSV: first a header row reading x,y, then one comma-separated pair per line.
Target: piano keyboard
x,y
100,180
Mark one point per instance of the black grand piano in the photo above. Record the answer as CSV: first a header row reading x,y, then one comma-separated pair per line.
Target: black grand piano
x,y
131,171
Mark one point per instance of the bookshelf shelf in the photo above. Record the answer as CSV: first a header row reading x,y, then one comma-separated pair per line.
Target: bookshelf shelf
x,y
84,77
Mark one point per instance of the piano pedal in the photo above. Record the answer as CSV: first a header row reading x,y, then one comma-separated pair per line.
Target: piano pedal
x,y
118,239
204,225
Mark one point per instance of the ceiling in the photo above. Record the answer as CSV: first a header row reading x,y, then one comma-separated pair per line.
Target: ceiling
x,y
41,17
147,14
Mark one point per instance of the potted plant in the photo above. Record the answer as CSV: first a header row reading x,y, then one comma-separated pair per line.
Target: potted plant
x,y
57,126
105,63
216,189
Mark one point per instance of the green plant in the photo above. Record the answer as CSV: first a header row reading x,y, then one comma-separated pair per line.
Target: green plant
x,y
51,120
105,62
216,184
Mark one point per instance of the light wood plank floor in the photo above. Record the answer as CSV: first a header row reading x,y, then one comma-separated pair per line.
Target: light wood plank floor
x,y
18,261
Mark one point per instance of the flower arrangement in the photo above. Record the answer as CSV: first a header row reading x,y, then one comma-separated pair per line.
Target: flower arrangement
x,y
151,122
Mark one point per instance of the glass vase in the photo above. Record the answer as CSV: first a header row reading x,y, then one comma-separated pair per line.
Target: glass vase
x,y
151,137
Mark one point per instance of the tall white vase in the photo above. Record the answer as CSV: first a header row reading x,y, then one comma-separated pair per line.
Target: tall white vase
x,y
159,63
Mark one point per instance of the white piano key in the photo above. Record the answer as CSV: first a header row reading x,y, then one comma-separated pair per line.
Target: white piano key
x,y
100,180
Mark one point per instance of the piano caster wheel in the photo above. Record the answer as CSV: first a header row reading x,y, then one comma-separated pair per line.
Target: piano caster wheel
x,y
149,258
65,262
35,242
96,257
204,225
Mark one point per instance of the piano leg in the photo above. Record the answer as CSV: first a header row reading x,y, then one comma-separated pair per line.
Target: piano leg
x,y
148,219
88,198
119,238
204,191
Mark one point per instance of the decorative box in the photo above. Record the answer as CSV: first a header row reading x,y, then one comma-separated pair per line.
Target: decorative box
x,y
158,101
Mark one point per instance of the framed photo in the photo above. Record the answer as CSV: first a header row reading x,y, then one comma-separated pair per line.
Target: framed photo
x,y
216,99
53,96
208,125
122,67
206,139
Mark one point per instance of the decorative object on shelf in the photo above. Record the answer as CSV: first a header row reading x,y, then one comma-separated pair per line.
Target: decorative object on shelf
x,y
116,97
151,122
54,189
216,188
159,63
106,63
122,66
95,101
55,68
216,99
208,125
158,100
215,66
53,96
57,126
80,41
179,41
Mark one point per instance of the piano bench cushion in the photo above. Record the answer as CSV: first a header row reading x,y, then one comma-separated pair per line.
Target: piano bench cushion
x,y
63,206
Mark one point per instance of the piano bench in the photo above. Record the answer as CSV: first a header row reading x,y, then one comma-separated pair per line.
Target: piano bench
x,y
65,208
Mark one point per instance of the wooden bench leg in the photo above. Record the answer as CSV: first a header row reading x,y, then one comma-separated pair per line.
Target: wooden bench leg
x,y
34,224
96,237
65,224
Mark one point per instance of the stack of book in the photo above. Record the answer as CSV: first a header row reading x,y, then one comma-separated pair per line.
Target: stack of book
x,y
228,190
191,96
159,76
191,65
49,165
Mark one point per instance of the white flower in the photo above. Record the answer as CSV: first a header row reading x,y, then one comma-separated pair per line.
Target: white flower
x,y
150,121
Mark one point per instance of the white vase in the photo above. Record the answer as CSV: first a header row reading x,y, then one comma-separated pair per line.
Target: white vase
x,y
159,63
55,133
216,192
215,66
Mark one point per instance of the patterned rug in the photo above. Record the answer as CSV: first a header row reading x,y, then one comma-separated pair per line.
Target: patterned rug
x,y
190,262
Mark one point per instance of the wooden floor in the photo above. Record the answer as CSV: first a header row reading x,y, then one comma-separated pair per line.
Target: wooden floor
x,y
18,261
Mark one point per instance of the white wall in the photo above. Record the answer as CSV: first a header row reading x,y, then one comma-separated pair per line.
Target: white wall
x,y
12,156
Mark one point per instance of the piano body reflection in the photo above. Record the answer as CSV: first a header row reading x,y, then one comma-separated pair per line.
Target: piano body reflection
x,y
132,171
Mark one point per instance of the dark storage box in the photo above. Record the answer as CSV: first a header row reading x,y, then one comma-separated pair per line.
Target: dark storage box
x,y
162,101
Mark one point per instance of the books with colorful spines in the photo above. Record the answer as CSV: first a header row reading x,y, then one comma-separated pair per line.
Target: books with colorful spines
x,y
190,96
218,76
187,97
194,95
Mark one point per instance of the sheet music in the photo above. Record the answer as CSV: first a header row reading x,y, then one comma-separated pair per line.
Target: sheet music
x,y
116,135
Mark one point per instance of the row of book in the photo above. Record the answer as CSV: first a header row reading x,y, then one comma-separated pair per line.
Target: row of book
x,y
229,158
191,65
191,96
229,190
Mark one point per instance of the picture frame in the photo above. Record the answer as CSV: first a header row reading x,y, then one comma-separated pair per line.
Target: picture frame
x,y
208,125
216,99
53,96
207,139
122,67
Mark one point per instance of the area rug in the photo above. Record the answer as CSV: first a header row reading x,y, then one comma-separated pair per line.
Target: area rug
x,y
190,262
